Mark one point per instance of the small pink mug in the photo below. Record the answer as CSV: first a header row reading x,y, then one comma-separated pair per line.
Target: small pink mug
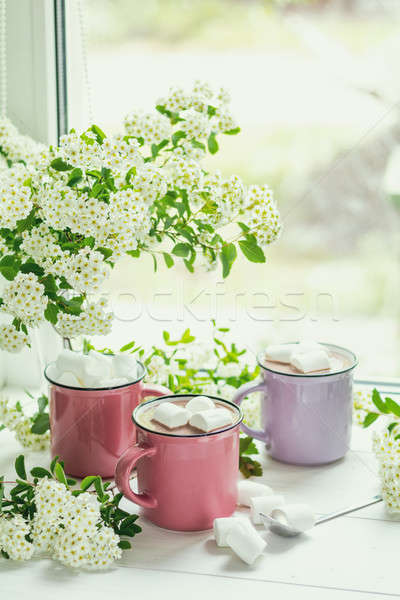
x,y
184,482
90,427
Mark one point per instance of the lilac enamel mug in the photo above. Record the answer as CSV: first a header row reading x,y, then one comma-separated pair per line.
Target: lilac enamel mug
x,y
306,418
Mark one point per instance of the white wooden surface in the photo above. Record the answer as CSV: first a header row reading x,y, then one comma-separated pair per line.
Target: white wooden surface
x,y
354,557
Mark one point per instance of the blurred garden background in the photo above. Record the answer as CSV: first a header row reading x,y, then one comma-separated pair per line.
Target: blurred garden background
x,y
315,89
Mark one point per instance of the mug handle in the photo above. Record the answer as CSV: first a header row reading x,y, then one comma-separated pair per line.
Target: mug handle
x,y
152,389
250,388
123,471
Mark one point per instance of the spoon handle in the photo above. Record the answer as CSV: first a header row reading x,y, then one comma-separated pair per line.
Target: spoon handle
x,y
346,511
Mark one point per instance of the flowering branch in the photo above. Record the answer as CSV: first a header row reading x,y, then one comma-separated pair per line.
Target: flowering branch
x,y
71,212
78,527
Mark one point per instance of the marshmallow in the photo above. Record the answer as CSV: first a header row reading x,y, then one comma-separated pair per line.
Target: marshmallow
x,y
125,365
248,490
245,542
223,525
280,352
299,516
171,415
314,360
98,365
264,504
69,379
199,403
307,346
112,382
71,362
213,418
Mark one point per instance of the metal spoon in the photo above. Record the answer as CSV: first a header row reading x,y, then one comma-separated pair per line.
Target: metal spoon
x,y
287,530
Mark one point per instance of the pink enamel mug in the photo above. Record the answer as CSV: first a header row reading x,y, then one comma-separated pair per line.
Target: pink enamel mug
x,y
184,481
91,428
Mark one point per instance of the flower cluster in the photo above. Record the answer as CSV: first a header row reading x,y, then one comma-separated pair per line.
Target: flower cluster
x,y
12,340
24,298
368,408
71,212
77,527
70,528
387,451
13,534
14,419
17,148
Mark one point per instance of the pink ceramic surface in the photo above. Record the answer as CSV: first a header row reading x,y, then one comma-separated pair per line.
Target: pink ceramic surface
x,y
306,419
184,482
91,428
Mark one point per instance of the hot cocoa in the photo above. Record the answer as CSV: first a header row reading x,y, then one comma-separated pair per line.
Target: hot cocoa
x,y
146,418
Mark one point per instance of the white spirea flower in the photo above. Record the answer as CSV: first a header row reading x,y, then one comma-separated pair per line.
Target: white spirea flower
x,y
13,532
153,128
24,298
86,271
18,147
15,196
262,215
70,528
195,124
94,320
12,340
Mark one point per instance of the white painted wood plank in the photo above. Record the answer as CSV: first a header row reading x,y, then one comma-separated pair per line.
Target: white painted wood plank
x,y
45,582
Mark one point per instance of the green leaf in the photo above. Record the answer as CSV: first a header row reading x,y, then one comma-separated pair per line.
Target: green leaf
x,y
59,165
249,467
178,135
169,261
59,474
98,484
128,346
133,253
154,263
20,466
53,463
71,481
124,545
227,256
379,403
87,482
39,472
251,250
41,424
211,110
247,446
181,250
72,306
32,267
100,135
187,338
51,313
392,426
9,266
369,419
74,177
244,227
393,406
212,143
233,131
106,252
50,285
43,402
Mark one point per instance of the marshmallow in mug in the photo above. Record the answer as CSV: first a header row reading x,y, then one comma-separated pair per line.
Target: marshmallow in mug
x,y
213,418
283,353
171,415
199,403
246,542
314,360
94,370
247,490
